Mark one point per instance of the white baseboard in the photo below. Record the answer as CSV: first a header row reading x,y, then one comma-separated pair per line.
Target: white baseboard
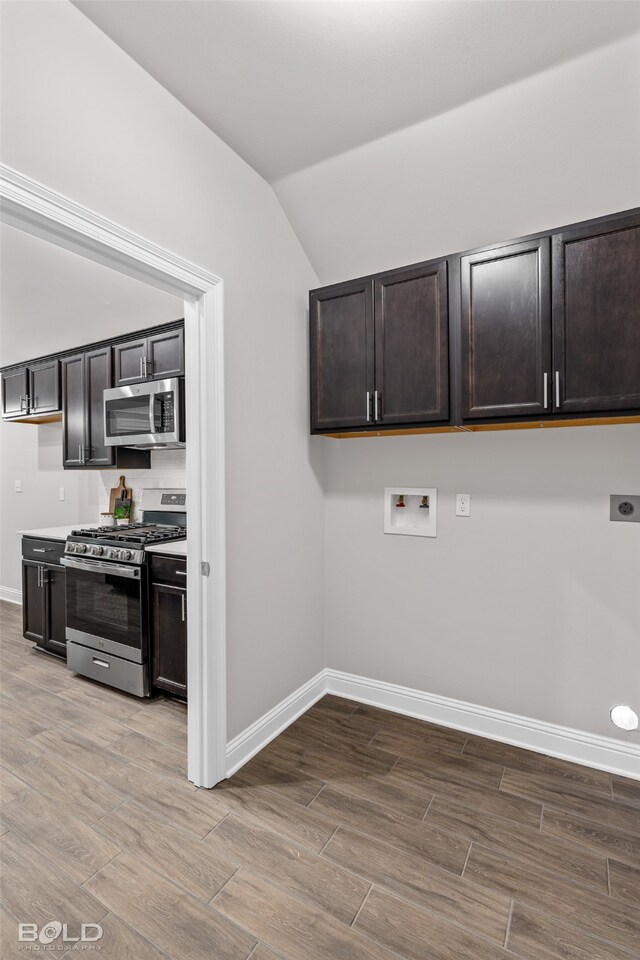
x,y
11,595
266,728
615,756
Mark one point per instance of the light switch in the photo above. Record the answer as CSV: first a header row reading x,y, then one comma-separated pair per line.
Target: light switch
x,y
17,486
62,493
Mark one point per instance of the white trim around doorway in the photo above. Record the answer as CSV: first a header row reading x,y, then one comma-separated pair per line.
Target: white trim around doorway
x,y
34,208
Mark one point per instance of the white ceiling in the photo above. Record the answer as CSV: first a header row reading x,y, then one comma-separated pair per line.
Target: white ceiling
x,y
289,83
52,299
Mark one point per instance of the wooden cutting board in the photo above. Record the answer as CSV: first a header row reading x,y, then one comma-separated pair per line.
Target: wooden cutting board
x,y
122,491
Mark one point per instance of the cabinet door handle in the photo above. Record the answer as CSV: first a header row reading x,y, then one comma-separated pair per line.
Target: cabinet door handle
x,y
546,390
558,389
368,406
24,403
43,549
40,576
184,612
376,399
141,367
148,367
100,663
180,573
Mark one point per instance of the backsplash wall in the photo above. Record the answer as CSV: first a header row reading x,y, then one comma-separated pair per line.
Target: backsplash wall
x,y
33,454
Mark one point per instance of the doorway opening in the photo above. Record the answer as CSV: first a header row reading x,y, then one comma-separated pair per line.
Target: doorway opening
x,y
34,208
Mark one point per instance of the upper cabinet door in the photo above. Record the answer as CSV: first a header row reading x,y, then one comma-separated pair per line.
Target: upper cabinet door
x,y
15,392
98,379
73,410
506,331
44,386
412,345
341,346
129,362
165,355
596,316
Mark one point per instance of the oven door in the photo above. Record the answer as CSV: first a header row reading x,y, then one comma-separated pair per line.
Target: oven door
x,y
105,607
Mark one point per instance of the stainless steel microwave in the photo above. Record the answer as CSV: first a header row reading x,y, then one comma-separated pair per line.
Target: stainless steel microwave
x,y
145,415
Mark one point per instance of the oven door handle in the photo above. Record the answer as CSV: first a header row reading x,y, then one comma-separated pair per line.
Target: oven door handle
x,y
96,566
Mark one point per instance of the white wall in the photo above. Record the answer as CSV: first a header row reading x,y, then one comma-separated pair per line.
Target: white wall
x,y
532,604
80,116
553,149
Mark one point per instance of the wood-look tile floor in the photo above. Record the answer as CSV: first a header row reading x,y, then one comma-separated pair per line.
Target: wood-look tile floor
x,y
356,835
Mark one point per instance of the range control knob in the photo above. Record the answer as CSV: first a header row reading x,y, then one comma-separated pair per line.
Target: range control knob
x,y
70,548
125,554
114,554
97,551
81,548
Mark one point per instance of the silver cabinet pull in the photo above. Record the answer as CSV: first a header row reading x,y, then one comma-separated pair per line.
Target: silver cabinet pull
x,y
38,577
376,397
546,390
100,663
368,406
141,367
180,573
184,612
148,367
558,389
43,550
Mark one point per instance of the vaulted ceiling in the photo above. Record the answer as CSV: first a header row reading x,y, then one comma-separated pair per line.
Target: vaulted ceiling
x,y
290,83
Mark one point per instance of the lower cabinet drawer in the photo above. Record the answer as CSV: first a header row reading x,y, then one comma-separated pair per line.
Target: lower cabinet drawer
x,y
169,570
114,671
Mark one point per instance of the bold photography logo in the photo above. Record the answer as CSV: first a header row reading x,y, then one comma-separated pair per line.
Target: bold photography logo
x,y
56,932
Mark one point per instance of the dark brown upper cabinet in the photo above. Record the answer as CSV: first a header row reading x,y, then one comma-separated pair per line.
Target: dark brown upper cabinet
x,y
379,350
85,377
411,321
15,392
31,390
596,316
342,345
505,328
155,357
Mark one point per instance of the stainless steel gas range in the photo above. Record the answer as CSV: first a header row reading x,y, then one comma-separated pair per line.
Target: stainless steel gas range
x,y
107,597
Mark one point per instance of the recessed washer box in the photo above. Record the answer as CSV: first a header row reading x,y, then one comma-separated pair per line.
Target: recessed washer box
x,y
410,511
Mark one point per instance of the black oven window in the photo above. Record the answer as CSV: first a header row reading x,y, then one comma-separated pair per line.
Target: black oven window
x,y
104,606
128,416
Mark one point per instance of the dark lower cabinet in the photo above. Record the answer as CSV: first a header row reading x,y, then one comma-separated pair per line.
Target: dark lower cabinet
x,y
169,625
596,315
505,326
44,599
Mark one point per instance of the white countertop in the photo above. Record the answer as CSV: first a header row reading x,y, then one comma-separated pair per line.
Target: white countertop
x,y
175,548
56,533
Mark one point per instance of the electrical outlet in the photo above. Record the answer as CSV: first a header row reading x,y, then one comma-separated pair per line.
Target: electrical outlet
x,y
463,504
61,493
625,508
17,486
